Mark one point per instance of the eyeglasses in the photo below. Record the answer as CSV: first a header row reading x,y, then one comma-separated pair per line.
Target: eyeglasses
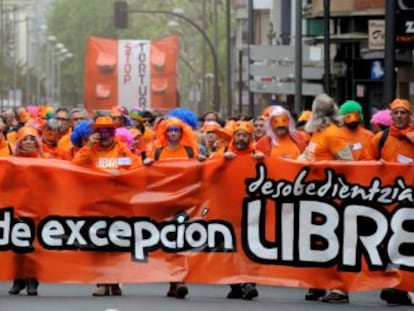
x,y
62,119
78,119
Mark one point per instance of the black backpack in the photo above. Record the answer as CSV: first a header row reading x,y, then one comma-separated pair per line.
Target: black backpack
x,y
382,140
189,150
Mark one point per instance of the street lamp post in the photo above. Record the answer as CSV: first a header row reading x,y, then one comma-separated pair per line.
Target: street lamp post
x,y
207,40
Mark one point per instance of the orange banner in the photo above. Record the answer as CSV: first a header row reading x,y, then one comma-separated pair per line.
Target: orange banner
x,y
120,73
276,222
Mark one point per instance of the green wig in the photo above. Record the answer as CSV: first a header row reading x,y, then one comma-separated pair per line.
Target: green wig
x,y
351,106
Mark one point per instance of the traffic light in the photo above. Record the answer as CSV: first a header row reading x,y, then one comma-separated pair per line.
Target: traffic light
x,y
121,14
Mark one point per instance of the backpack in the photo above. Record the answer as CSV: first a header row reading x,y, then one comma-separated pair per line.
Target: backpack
x,y
188,150
382,140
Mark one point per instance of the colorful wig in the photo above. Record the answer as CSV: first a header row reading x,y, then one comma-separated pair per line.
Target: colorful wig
x,y
81,131
185,115
382,117
125,136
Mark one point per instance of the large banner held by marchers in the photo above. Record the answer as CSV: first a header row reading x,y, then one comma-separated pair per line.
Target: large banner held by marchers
x,y
131,73
278,222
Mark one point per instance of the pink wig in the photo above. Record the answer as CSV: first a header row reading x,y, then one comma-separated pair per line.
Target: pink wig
x,y
382,117
125,136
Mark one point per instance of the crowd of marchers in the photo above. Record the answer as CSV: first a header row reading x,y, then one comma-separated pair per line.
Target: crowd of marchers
x,y
123,139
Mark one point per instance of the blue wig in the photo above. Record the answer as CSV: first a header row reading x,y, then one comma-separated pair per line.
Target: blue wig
x,y
185,115
81,131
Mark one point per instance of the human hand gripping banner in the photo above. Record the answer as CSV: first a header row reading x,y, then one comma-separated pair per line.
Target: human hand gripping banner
x,y
347,225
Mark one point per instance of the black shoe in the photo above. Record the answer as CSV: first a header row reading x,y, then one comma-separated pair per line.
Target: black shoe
x,y
334,297
178,290
395,296
249,291
315,294
181,291
18,285
32,285
235,292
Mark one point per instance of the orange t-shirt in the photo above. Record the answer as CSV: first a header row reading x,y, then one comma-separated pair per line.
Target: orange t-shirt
x,y
50,152
286,147
119,157
357,140
326,143
394,149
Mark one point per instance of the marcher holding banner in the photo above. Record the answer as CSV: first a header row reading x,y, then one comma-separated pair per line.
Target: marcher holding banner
x,y
175,141
395,144
241,144
104,152
357,136
27,145
327,143
281,139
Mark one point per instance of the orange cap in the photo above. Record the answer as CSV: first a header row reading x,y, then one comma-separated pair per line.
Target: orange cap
x,y
400,103
26,131
243,126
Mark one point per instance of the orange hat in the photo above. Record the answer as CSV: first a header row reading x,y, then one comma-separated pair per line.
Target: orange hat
x,y
280,121
210,126
227,131
400,103
305,116
104,122
26,131
243,125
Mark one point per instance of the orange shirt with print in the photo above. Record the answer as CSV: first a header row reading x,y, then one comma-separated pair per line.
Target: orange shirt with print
x,y
119,157
325,144
357,139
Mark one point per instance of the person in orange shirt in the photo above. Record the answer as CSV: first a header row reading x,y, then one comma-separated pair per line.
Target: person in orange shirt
x,y
28,146
358,137
327,141
6,148
175,141
281,139
259,128
105,153
398,140
209,138
395,144
241,144
50,137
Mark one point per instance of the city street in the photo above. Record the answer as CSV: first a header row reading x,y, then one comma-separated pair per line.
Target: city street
x,y
202,297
